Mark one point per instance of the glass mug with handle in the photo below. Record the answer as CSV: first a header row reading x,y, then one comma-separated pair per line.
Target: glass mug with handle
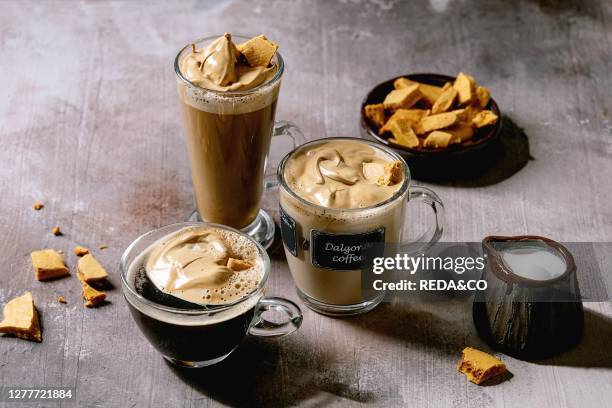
x,y
228,136
323,244
191,335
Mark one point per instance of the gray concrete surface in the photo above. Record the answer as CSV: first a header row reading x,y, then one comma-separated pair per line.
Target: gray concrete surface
x,y
89,124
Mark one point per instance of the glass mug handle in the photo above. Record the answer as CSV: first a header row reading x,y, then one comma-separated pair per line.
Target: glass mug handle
x,y
433,235
265,328
287,129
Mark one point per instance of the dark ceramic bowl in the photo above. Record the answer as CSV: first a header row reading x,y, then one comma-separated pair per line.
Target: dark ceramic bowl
x,y
482,139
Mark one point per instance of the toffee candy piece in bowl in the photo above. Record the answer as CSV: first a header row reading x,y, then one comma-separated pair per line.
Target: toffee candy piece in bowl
x,y
430,163
532,307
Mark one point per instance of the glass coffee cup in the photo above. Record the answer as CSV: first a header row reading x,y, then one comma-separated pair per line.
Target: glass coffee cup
x,y
323,244
203,335
228,136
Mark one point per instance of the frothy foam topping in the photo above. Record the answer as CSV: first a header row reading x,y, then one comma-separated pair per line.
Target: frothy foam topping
x,y
220,66
205,265
343,174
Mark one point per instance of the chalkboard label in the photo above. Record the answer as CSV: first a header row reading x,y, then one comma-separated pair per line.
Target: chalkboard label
x,y
288,231
341,252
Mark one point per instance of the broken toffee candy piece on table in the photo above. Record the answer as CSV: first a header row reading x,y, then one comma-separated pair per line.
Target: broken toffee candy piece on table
x,y
21,318
48,264
479,366
90,270
91,296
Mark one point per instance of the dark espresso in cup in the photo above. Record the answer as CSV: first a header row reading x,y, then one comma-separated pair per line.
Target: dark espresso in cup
x,y
208,273
196,290
183,342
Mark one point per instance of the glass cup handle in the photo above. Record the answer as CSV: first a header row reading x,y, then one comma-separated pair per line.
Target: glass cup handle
x,y
287,129
433,235
265,328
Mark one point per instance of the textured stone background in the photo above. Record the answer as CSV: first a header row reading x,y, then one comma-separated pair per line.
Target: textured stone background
x,y
89,125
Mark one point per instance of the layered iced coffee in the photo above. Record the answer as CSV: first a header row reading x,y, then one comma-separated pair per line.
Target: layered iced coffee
x,y
228,94
337,194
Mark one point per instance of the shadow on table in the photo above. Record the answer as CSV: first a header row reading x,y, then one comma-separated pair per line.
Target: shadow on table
x,y
273,372
414,324
276,250
594,350
492,165
427,327
587,8
506,376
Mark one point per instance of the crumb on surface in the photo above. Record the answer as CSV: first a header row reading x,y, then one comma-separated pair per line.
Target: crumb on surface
x,y
56,231
38,206
103,246
61,300
80,251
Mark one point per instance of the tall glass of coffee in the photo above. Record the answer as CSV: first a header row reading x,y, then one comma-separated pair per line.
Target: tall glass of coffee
x,y
197,289
228,89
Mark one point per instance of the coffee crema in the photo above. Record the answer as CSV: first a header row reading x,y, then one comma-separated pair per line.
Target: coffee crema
x,y
204,265
341,174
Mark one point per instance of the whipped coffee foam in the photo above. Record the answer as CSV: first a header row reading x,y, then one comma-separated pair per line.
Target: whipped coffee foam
x,y
331,174
224,82
198,264
219,67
